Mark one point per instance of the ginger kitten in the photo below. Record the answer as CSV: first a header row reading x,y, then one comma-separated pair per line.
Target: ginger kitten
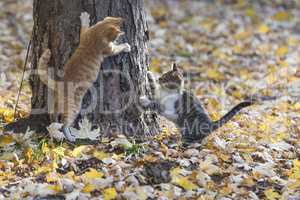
x,y
81,70
183,108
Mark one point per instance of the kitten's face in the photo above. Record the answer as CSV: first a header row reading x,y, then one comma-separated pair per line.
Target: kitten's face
x,y
172,79
109,29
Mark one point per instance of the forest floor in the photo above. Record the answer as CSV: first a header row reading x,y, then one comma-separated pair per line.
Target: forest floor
x,y
228,52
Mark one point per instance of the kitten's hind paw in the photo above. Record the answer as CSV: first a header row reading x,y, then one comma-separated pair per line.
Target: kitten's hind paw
x,y
85,19
145,101
68,135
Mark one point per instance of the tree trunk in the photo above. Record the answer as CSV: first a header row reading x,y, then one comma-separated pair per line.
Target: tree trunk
x,y
113,105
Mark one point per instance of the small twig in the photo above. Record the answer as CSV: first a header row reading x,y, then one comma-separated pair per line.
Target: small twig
x,y
22,80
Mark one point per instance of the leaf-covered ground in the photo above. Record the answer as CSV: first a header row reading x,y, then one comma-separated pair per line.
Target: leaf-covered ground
x,y
228,52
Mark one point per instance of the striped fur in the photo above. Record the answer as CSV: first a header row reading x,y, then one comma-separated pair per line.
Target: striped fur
x,y
184,108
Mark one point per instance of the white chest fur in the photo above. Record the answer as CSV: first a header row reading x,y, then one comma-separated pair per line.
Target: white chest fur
x,y
168,99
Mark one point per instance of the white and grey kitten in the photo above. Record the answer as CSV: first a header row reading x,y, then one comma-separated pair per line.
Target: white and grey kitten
x,y
183,108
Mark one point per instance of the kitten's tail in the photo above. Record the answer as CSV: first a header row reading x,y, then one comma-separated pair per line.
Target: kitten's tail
x,y
231,114
43,69
249,102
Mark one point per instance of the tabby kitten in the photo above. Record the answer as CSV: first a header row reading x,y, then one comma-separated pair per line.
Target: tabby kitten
x,y
183,108
81,70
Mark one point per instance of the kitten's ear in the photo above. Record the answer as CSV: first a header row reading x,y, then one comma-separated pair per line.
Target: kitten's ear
x,y
174,67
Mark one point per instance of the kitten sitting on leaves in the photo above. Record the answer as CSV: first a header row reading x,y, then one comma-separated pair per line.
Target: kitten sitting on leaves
x,y
183,108
81,70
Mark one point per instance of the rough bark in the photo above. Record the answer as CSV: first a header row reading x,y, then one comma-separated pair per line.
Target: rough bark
x,y
57,26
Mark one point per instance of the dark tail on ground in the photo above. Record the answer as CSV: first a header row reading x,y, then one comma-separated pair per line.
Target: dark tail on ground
x,y
231,114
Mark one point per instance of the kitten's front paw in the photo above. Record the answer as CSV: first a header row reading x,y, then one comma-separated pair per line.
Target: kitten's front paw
x,y
85,19
126,48
145,101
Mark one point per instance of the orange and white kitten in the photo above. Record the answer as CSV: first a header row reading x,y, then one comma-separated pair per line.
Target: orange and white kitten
x,y
81,70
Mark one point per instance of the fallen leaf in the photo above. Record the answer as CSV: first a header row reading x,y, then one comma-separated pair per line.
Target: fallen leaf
x,y
109,194
88,188
56,188
282,51
263,28
6,140
185,183
281,16
85,131
100,155
92,174
272,195
78,150
215,74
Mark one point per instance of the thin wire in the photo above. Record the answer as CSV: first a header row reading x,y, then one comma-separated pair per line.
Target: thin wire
x,y
22,80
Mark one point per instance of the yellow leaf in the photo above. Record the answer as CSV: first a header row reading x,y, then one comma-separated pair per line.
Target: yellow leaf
x,y
296,163
223,156
100,155
282,51
69,175
226,190
283,64
52,177
237,94
28,152
118,156
281,16
292,41
78,150
56,188
215,74
5,140
109,194
295,170
208,24
214,115
43,169
250,12
272,195
59,151
47,168
279,137
271,78
242,35
7,114
237,49
45,148
88,188
92,174
175,172
263,28
220,55
185,183
248,182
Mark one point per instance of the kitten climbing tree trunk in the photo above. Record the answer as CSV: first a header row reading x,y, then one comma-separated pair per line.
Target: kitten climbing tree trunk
x,y
112,103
